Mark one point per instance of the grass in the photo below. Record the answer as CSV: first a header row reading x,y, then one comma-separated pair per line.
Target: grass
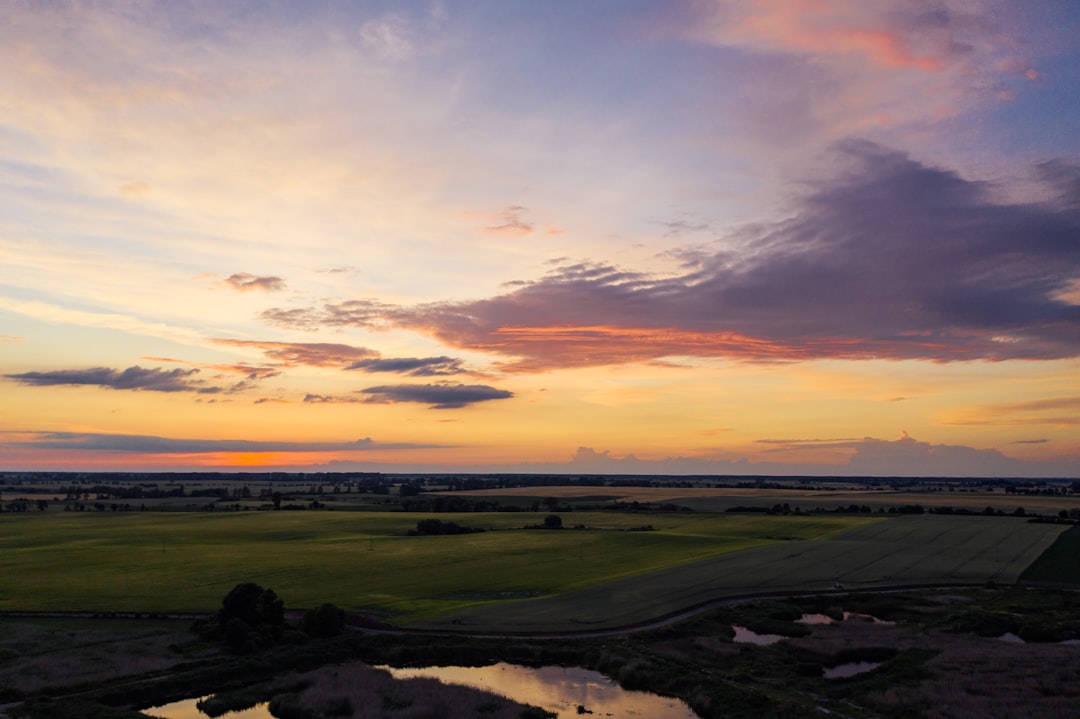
x,y
1058,564
903,551
157,562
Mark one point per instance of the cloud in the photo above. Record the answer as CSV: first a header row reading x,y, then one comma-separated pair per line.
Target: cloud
x,y
251,372
1055,411
890,34
246,282
132,378
10,339
439,396
510,222
149,444
869,457
312,354
808,72
887,258
412,366
311,398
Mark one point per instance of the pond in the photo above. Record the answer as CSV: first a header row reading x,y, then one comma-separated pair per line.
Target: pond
x,y
826,619
558,689
748,636
849,669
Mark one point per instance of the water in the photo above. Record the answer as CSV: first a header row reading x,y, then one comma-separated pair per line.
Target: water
x,y
186,709
850,669
815,619
746,636
557,689
826,619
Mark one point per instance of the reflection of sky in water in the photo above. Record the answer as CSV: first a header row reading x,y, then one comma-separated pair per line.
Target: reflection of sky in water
x,y
842,671
746,636
186,709
558,689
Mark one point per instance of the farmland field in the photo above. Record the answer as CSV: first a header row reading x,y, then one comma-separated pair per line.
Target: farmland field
x,y
601,574
187,561
822,495
903,551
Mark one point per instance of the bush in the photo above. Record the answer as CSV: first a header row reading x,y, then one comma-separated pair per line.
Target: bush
x,y
537,713
287,706
323,622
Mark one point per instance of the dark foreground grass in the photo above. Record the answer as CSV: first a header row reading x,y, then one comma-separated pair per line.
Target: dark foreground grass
x,y
931,665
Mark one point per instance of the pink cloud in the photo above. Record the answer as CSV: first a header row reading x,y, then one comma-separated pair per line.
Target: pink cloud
x,y
887,34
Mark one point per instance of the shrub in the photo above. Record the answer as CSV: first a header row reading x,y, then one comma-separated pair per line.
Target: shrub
x,y
287,706
324,621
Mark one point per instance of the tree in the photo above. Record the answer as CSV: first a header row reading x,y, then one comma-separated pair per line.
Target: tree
x,y
553,521
250,617
253,605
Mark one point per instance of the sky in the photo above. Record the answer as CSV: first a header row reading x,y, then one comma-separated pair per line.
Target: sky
x,y
822,237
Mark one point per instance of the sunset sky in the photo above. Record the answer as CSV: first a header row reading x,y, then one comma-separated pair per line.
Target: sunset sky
x,y
759,237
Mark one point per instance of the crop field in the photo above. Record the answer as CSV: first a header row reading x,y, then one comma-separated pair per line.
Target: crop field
x,y
187,561
808,498
901,551
615,568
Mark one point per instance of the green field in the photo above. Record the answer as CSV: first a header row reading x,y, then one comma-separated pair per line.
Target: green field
x,y
901,551
1060,564
506,577
361,561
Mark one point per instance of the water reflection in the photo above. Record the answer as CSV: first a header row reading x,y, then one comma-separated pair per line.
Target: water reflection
x,y
746,636
188,709
850,669
826,619
557,689
815,619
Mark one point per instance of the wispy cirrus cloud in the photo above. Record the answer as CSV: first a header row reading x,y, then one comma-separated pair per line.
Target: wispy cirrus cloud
x,y
510,222
247,282
1055,411
150,444
887,259
251,372
931,37
133,378
439,396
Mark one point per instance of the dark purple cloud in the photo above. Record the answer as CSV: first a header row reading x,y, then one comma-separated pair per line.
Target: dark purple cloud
x,y
412,366
439,396
149,444
132,378
889,259
246,282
